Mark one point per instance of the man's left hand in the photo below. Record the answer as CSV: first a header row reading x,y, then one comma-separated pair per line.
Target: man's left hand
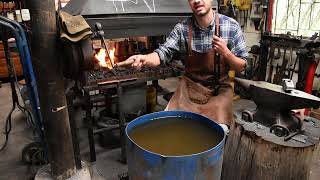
x,y
220,46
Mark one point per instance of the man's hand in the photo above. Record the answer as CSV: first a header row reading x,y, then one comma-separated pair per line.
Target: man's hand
x,y
136,61
140,60
220,46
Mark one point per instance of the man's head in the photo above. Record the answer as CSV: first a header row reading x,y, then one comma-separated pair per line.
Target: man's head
x,y
200,7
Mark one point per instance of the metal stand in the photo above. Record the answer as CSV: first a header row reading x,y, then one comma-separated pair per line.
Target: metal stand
x,y
89,120
73,128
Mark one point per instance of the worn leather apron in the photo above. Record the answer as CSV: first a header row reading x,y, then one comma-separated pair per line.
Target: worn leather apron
x,y
200,90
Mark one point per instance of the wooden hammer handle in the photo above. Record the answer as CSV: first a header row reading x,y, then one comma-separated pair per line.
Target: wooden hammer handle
x,y
125,63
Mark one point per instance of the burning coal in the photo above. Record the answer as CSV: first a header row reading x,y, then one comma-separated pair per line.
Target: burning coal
x,y
106,60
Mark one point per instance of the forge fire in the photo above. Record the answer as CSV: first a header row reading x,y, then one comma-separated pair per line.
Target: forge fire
x,y
106,59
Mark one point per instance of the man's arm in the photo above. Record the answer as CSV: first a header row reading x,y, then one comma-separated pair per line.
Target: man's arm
x,y
164,53
140,60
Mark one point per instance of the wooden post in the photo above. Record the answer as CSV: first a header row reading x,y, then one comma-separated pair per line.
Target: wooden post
x,y
45,58
253,153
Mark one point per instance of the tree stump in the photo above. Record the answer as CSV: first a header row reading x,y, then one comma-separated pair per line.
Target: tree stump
x,y
253,153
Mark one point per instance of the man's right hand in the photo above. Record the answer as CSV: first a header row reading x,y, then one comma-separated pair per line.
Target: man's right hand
x,y
140,60
136,61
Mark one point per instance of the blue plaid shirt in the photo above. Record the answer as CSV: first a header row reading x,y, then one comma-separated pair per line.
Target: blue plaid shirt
x,y
176,45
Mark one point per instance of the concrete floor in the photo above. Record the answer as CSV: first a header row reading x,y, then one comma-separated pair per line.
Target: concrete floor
x,y
107,165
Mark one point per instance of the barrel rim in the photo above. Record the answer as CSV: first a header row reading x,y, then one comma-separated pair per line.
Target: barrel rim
x,y
215,148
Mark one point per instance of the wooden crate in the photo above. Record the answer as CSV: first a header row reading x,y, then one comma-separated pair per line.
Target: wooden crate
x,y
3,65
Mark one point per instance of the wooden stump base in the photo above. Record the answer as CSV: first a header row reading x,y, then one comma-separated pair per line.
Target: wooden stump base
x,y
253,153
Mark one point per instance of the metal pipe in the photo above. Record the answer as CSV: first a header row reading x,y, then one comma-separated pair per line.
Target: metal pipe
x,y
89,119
51,88
121,124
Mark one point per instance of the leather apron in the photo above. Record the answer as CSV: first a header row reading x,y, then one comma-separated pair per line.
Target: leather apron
x,y
199,90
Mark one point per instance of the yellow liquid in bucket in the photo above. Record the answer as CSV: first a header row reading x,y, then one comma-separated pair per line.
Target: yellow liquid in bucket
x,y
175,136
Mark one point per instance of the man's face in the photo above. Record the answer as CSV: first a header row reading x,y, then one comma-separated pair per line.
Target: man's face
x,y
200,7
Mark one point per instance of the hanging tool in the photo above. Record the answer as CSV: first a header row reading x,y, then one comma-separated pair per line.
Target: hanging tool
x,y
245,7
288,71
278,55
294,66
270,60
280,73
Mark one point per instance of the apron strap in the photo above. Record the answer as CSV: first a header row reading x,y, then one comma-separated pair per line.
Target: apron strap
x,y
190,53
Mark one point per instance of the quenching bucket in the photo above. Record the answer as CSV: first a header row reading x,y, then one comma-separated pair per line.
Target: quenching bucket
x,y
174,145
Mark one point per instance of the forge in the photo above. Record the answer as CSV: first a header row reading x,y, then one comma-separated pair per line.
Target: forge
x,y
120,29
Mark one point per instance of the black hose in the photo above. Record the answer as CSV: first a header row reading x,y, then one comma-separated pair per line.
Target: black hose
x,y
8,126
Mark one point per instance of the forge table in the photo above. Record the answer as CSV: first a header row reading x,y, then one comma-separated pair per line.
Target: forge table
x,y
101,80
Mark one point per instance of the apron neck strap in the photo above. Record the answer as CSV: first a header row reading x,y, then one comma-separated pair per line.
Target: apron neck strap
x,y
190,39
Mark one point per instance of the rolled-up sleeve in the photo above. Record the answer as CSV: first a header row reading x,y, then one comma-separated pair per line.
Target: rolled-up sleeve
x,y
171,46
238,44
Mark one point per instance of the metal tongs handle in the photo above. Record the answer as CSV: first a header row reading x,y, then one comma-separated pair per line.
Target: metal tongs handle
x,y
100,34
124,63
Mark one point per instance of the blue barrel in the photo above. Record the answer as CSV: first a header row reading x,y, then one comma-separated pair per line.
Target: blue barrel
x,y
143,164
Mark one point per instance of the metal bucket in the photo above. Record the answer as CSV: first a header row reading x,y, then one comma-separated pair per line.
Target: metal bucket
x,y
143,164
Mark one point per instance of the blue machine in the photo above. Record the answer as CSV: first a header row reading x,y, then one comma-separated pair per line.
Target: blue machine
x,y
143,164
24,53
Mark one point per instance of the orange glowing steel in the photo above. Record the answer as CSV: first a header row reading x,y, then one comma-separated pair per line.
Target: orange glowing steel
x,y
101,56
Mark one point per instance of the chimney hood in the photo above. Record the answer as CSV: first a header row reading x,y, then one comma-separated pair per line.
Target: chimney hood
x,y
127,18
